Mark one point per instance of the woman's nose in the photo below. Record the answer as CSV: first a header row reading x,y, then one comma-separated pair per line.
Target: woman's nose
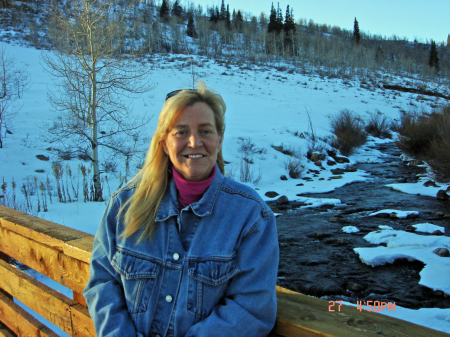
x,y
194,140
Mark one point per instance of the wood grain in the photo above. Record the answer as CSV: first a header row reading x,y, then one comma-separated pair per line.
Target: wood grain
x,y
21,322
49,261
83,326
301,315
49,303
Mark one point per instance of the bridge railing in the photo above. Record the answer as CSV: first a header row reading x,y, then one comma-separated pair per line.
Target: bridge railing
x,y
63,254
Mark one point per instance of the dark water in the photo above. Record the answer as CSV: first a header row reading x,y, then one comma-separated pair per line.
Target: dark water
x,y
317,257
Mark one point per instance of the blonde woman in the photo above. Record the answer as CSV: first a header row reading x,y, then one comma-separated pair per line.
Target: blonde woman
x,y
182,250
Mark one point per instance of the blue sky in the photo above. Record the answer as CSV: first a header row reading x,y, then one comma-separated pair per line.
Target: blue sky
x,y
405,18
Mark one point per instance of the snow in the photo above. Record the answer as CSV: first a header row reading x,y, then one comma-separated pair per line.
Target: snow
x,y
350,229
397,213
265,107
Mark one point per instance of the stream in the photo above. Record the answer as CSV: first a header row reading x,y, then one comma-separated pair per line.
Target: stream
x,y
317,257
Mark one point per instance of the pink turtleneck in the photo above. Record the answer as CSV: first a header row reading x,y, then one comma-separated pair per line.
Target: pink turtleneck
x,y
190,191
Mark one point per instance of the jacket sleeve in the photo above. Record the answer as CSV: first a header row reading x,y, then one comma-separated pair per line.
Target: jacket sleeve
x,y
104,293
250,305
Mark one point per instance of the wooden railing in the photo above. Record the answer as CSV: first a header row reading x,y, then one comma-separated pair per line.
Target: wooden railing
x,y
63,254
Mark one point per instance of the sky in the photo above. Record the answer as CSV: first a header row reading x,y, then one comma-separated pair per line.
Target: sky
x,y
278,101
404,18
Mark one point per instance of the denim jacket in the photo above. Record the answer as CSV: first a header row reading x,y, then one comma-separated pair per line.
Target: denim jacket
x,y
214,277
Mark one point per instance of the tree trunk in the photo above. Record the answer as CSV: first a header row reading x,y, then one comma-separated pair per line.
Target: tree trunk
x,y
95,162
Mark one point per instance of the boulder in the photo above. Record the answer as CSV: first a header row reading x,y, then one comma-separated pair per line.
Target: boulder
x,y
430,183
282,200
271,194
42,157
442,252
442,195
337,171
283,177
331,162
341,160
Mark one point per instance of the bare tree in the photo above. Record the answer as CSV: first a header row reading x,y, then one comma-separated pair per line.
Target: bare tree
x,y
95,80
13,82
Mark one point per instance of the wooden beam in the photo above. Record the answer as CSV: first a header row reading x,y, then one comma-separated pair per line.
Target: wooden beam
x,y
49,261
72,242
21,322
83,326
5,332
302,315
45,301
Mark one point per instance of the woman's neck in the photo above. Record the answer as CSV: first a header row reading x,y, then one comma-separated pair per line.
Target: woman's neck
x,y
190,191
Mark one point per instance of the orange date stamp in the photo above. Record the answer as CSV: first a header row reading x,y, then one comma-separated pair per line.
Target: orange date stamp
x,y
364,305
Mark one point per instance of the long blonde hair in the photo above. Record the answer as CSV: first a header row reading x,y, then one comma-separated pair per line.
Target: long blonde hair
x,y
152,180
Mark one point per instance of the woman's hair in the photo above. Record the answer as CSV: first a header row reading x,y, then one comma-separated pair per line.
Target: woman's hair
x,y
153,178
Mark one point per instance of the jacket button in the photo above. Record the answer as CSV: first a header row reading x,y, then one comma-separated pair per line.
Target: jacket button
x,y
168,298
176,256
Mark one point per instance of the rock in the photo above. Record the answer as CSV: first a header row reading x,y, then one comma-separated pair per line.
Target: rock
x,y
350,169
42,157
446,216
271,194
337,171
341,160
317,157
403,180
393,216
336,177
39,171
321,235
442,252
301,184
437,232
410,228
440,214
430,183
283,177
274,209
442,195
314,171
412,216
282,200
331,162
318,163
355,287
321,178
8,132
333,219
341,242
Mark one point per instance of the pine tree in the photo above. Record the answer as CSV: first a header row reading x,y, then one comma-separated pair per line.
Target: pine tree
x,y
228,18
177,10
434,57
271,27
279,20
356,34
289,24
164,11
239,21
191,27
223,14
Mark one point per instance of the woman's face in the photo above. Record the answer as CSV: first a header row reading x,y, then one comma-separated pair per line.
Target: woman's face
x,y
193,142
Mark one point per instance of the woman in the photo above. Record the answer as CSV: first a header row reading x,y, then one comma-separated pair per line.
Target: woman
x,y
181,250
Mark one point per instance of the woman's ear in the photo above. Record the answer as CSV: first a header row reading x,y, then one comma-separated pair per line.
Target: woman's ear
x,y
166,150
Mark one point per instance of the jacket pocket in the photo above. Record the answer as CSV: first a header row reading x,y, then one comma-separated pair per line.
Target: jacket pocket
x,y
138,277
208,283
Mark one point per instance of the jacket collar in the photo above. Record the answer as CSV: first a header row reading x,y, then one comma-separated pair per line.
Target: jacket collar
x,y
169,203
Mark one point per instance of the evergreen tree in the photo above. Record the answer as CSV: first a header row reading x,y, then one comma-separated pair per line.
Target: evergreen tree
x,y
271,27
223,14
434,57
177,10
356,34
191,27
228,18
213,17
289,24
164,11
238,23
279,20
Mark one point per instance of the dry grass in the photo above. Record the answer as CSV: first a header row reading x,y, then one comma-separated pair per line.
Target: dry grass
x,y
348,129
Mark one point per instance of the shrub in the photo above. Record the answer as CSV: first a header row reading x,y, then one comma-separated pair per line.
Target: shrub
x,y
427,136
378,125
348,129
418,129
294,166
